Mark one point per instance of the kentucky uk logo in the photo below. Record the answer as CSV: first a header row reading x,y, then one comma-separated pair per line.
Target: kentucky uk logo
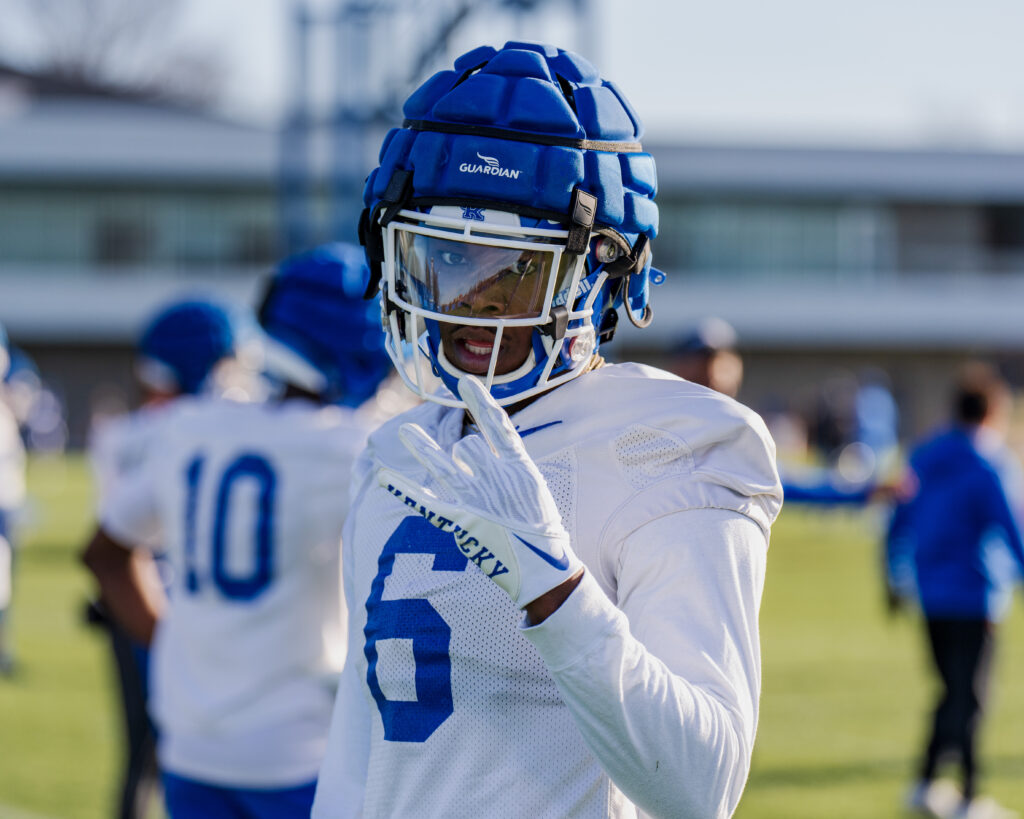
x,y
490,166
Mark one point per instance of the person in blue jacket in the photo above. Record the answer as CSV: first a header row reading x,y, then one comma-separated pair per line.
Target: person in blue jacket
x,y
956,546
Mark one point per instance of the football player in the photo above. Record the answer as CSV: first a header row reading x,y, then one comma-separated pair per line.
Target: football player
x,y
707,355
955,547
553,566
12,496
248,500
179,351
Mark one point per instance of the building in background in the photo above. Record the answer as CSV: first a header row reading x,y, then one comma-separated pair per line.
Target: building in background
x,y
828,260
113,203
822,259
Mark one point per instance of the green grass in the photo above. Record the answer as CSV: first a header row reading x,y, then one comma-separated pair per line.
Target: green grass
x,y
846,689
58,727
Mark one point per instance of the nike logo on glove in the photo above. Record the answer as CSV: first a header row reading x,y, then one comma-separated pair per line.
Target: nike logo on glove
x,y
561,563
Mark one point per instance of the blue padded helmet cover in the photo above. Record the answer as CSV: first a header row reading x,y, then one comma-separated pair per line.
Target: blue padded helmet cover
x,y
316,307
189,338
534,122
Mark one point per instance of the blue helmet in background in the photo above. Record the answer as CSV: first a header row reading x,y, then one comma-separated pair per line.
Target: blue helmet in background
x,y
182,344
525,156
324,336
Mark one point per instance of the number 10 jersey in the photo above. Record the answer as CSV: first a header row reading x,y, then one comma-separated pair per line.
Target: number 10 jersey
x,y
249,501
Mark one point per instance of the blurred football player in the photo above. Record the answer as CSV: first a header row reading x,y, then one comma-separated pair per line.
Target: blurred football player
x,y
248,499
554,565
707,355
956,547
12,496
178,354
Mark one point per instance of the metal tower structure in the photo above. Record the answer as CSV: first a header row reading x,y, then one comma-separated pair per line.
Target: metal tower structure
x,y
364,57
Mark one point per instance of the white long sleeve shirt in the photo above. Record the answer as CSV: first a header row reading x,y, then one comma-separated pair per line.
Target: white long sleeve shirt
x,y
638,696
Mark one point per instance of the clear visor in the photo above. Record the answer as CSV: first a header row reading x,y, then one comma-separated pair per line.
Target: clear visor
x,y
458,268
487,277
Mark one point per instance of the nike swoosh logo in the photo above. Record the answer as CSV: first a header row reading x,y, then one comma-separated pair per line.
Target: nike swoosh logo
x,y
523,433
561,563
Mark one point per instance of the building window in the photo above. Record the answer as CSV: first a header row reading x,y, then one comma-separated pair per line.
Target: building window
x,y
938,238
1004,237
254,245
122,241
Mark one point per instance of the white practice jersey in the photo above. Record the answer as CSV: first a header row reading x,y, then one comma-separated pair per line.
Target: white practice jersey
x,y
12,463
118,446
639,695
248,501
12,494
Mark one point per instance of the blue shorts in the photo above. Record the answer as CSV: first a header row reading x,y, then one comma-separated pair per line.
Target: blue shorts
x,y
190,799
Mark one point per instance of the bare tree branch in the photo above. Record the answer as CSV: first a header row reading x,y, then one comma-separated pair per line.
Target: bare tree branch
x,y
125,44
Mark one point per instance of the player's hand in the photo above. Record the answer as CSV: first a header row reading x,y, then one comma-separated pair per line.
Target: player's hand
x,y
495,502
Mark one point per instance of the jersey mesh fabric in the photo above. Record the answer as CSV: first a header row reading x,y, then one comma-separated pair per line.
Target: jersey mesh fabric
x,y
559,473
649,455
496,676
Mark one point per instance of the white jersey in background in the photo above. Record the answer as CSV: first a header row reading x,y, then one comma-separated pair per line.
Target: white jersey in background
x,y
640,693
248,500
12,497
118,445
12,463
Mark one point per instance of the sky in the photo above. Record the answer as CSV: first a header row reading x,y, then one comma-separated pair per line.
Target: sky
x,y
887,72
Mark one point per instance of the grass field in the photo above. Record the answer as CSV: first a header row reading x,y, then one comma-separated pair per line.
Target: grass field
x,y
843,708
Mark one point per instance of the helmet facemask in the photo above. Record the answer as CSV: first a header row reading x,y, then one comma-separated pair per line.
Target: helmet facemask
x,y
489,293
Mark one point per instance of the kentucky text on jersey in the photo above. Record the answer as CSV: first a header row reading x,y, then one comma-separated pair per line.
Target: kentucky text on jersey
x,y
467,544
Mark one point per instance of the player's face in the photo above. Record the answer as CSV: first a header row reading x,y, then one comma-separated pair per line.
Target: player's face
x,y
508,284
468,280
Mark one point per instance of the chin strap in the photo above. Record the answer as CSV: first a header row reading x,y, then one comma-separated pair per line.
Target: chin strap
x,y
632,263
645,318
644,321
